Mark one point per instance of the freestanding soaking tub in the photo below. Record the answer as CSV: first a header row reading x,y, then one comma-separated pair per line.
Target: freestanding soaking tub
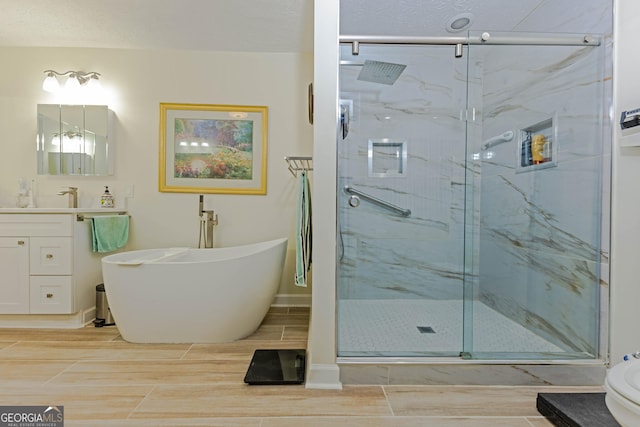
x,y
187,295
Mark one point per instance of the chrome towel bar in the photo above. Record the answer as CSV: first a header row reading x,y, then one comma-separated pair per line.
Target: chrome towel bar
x,y
82,217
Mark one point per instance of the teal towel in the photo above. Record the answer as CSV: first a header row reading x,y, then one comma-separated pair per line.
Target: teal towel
x,y
303,231
110,232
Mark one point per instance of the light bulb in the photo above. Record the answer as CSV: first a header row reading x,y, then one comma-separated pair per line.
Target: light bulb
x,y
72,83
50,83
94,83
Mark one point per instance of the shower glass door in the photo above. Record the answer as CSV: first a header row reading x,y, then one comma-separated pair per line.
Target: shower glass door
x,y
401,196
534,202
469,200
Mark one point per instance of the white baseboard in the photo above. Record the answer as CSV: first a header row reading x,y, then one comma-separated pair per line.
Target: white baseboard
x,y
323,376
89,315
291,300
53,321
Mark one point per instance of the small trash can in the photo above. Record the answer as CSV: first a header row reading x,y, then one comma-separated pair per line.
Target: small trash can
x,y
103,314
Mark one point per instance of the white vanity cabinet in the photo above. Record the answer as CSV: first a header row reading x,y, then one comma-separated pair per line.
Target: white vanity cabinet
x,y
37,253
48,266
14,264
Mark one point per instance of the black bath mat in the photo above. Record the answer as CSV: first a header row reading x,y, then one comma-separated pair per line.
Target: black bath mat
x,y
276,367
575,409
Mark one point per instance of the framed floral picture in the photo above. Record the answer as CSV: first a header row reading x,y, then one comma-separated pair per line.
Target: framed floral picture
x,y
213,149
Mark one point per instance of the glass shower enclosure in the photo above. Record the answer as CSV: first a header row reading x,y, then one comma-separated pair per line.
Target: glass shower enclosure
x,y
469,198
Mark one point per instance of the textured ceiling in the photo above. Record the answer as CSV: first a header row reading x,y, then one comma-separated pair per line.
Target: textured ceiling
x,y
233,25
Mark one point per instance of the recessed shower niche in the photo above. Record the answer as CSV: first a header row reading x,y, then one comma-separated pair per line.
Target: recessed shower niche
x,y
537,146
387,158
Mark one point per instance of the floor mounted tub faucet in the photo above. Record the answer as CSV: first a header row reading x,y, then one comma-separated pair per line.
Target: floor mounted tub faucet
x,y
208,219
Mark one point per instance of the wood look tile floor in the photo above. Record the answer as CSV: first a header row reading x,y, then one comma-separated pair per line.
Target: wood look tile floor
x,y
102,380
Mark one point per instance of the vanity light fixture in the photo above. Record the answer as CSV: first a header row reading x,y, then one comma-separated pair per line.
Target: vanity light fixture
x,y
75,79
66,136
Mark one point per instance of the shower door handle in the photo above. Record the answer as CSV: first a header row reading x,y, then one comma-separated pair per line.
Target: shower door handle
x,y
310,102
344,121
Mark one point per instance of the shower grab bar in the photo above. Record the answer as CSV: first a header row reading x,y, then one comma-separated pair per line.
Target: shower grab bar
x,y
376,201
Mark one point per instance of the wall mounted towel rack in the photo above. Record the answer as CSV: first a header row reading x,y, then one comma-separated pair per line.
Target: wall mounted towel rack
x,y
82,217
299,164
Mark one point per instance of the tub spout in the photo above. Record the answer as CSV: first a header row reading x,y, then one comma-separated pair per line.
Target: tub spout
x,y
73,196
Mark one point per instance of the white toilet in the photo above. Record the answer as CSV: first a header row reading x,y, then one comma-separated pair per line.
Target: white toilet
x,y
622,387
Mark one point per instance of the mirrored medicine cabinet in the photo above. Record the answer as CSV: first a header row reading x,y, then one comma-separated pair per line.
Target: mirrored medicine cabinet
x,y
74,140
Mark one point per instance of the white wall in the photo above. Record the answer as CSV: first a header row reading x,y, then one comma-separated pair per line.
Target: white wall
x,y
625,216
134,83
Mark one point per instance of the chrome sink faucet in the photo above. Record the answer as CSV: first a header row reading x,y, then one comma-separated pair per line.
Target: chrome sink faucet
x,y
73,196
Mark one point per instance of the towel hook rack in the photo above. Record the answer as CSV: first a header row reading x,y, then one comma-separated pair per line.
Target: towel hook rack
x,y
297,164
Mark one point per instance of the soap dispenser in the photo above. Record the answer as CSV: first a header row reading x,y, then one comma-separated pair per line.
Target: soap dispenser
x,y
106,200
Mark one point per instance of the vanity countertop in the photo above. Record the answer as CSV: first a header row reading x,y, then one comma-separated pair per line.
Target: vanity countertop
x,y
60,210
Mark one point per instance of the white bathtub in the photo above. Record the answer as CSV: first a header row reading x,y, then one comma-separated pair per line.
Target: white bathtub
x,y
186,295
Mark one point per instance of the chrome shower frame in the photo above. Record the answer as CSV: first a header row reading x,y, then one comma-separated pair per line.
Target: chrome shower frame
x,y
484,38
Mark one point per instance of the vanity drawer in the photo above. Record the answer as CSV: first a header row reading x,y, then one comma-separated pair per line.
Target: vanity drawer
x,y
50,255
36,224
50,295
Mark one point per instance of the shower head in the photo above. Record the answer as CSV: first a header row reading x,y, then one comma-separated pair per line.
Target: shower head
x,y
380,72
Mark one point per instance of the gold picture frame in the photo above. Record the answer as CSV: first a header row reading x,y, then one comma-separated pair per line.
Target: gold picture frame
x,y
216,149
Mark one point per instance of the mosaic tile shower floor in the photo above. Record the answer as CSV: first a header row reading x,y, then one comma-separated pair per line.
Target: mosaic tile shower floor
x,y
394,327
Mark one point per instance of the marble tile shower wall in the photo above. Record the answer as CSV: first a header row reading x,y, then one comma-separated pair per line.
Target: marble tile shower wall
x,y
540,257
381,254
